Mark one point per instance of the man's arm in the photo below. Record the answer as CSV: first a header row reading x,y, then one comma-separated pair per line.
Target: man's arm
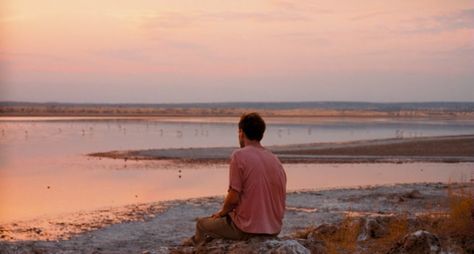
x,y
230,202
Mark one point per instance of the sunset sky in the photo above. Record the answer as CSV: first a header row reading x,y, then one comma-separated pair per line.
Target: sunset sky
x,y
148,51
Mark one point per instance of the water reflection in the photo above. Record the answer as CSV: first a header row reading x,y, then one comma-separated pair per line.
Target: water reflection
x,y
43,169
49,187
95,135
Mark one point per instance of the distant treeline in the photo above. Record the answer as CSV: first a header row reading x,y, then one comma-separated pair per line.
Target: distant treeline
x,y
365,109
329,105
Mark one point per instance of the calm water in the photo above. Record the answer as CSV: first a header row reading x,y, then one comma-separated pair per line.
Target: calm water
x,y
44,170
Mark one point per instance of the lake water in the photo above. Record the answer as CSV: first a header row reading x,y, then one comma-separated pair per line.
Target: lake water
x,y
44,169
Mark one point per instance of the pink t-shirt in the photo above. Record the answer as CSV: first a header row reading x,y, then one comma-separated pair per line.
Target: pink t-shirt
x,y
259,177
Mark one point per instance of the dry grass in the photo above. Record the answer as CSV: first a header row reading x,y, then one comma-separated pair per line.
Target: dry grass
x,y
344,240
397,227
303,233
460,221
454,227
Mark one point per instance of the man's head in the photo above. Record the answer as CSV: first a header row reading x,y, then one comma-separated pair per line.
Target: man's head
x,y
251,127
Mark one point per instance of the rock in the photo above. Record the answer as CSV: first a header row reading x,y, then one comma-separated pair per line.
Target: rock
x,y
414,194
254,245
315,246
469,246
323,231
373,227
215,246
314,239
161,250
419,242
286,247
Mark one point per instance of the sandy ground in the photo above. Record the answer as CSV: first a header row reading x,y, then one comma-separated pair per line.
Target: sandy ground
x,y
156,227
396,150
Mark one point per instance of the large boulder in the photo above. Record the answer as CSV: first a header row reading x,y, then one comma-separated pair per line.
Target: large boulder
x,y
419,242
285,247
254,245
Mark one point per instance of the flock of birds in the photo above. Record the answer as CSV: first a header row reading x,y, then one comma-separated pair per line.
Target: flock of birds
x,y
280,132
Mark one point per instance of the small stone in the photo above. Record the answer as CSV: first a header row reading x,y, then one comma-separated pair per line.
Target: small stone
x,y
373,228
316,246
417,242
414,194
322,230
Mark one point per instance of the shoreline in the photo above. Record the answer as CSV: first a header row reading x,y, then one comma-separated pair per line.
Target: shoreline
x,y
436,110
144,227
446,149
273,119
329,115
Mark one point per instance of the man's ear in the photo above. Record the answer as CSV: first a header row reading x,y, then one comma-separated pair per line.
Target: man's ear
x,y
243,135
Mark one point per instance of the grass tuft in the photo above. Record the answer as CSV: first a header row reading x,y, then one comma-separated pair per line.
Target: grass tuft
x,y
460,221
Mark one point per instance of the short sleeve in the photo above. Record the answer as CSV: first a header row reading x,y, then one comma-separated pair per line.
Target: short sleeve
x,y
235,174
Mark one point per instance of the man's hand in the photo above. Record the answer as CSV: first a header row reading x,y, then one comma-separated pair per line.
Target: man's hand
x,y
231,201
216,215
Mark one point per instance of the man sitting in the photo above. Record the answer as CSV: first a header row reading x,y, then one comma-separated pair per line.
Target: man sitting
x,y
255,201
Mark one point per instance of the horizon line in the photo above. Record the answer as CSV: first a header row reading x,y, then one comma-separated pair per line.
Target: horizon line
x,y
228,102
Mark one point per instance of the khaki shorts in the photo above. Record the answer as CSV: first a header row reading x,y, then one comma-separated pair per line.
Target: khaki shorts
x,y
209,228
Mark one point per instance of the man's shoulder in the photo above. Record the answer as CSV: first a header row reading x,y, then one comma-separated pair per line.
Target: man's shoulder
x,y
250,151
236,152
243,150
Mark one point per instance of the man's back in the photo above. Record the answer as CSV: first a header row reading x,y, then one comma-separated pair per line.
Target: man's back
x,y
260,179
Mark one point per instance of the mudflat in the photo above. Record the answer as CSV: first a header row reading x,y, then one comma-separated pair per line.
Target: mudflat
x,y
397,150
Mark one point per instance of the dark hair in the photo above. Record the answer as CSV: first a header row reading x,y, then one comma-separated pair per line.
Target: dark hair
x,y
252,125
